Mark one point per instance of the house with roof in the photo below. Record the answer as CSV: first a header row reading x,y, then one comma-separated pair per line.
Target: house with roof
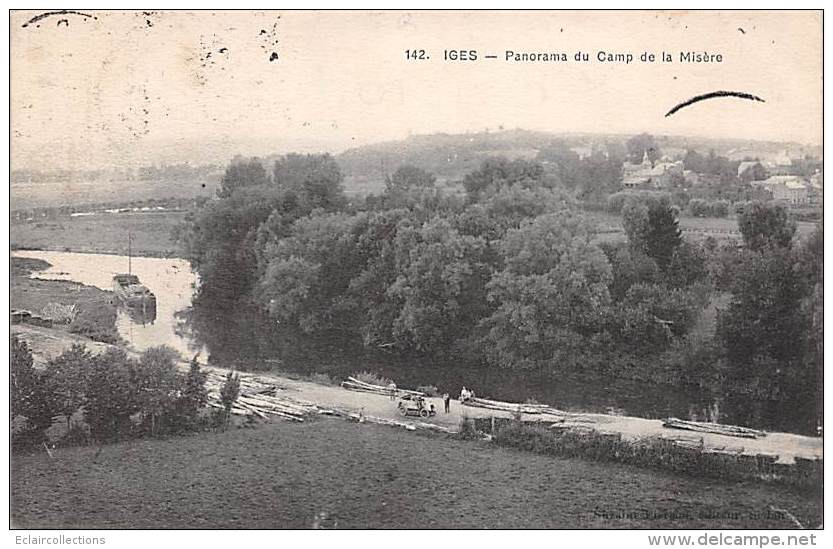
x,y
651,174
790,189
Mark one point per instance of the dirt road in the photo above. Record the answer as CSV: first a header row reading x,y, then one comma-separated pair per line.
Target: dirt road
x,y
47,343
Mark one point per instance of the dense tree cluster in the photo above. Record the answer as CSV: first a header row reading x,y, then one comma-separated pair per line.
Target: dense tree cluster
x,y
509,275
110,395
772,329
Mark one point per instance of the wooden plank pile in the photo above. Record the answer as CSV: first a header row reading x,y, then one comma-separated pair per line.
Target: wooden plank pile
x,y
354,384
714,428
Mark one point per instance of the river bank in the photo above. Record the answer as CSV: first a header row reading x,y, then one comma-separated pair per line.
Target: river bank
x,y
90,310
233,337
47,343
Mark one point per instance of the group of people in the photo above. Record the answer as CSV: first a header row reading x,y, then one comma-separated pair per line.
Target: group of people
x,y
465,394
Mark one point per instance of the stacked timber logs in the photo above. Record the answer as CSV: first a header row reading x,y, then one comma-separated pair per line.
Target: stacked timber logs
x,y
354,384
714,428
513,407
258,398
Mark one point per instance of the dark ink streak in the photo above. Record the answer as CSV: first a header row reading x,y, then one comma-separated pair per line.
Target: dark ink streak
x,y
46,14
274,56
741,30
223,50
712,95
64,21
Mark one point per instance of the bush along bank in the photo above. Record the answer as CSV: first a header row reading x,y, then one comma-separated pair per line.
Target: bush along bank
x,y
650,452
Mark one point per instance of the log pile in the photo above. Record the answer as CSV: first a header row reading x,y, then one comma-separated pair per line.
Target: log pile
x,y
361,418
354,384
714,428
514,407
259,398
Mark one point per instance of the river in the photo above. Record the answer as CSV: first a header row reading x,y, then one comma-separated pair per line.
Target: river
x,y
230,334
170,279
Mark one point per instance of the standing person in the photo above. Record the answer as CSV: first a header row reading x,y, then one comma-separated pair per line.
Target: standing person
x,y
392,389
446,402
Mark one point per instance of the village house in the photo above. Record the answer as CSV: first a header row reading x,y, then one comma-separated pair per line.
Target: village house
x,y
790,189
657,174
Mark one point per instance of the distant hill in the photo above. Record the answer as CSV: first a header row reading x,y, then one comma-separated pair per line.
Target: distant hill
x,y
448,156
451,156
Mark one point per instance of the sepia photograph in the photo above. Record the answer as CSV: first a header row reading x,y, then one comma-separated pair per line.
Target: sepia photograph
x,y
416,270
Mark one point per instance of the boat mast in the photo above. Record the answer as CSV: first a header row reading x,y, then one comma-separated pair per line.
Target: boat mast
x,y
129,251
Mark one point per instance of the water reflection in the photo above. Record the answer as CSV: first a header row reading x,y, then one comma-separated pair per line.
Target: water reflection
x,y
138,314
170,279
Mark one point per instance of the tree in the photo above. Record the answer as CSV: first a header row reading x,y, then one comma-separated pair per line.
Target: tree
x,y
156,384
765,225
243,173
652,226
687,266
664,236
31,394
194,395
756,172
635,223
67,375
551,295
229,392
307,274
315,178
640,145
110,397
629,266
440,285
495,173
21,376
408,177
765,328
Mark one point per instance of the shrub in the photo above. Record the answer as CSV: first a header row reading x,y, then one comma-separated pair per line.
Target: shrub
x,y
323,379
653,452
698,207
616,202
373,379
429,390
77,434
467,431
719,208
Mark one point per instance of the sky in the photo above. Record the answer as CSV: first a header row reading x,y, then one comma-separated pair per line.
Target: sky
x,y
109,89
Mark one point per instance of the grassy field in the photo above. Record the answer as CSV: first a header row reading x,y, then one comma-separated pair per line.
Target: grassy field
x,y
102,233
347,475
96,316
695,228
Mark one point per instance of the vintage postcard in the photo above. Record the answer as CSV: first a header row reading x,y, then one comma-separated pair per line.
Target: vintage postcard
x,y
416,270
